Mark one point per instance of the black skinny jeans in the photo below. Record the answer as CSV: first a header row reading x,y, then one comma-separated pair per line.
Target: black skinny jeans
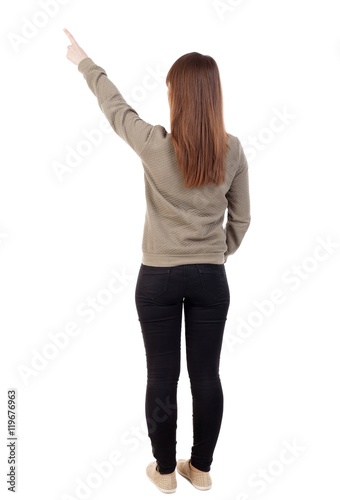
x,y
160,295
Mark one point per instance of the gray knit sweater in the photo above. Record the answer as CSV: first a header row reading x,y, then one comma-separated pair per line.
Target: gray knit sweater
x,y
182,225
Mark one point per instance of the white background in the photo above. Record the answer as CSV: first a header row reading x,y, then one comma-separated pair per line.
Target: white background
x,y
63,240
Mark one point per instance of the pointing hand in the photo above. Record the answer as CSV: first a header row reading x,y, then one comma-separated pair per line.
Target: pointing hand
x,y
74,53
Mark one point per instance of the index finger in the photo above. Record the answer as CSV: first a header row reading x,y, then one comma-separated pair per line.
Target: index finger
x,y
72,39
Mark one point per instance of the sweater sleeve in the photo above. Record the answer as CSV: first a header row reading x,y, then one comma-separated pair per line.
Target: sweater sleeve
x,y
238,219
122,117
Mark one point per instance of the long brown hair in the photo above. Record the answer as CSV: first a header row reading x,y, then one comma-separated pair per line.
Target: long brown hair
x,y
196,119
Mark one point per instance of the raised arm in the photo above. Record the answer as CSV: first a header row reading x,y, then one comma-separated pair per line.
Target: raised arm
x,y
124,120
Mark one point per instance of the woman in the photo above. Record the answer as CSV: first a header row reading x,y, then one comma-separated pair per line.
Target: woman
x,y
192,177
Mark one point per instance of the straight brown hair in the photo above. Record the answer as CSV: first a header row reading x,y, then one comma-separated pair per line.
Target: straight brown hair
x,y
196,118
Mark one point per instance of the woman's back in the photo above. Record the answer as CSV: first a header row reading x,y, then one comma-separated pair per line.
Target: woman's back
x,y
186,225
182,225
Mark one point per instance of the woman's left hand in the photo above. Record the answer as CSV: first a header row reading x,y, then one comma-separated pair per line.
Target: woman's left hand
x,y
74,53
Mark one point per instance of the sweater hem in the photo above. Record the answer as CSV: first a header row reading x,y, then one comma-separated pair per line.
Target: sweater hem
x,y
162,260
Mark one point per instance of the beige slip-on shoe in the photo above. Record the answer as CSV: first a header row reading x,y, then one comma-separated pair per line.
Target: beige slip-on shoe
x,y
166,483
201,480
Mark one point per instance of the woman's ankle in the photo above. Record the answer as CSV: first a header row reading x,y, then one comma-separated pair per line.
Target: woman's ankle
x,y
195,469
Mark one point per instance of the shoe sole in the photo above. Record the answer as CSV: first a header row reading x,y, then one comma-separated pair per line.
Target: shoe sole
x,y
161,489
202,488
